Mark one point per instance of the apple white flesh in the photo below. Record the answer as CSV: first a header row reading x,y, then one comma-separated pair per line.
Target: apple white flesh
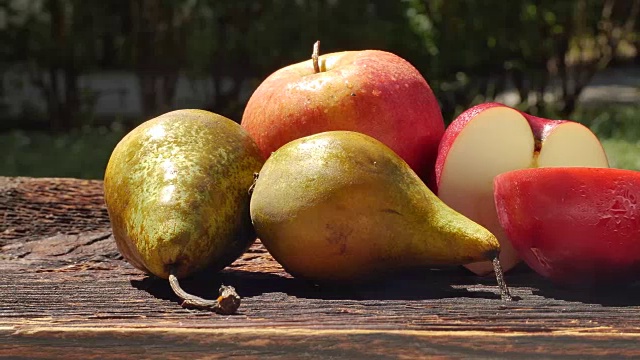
x,y
490,139
571,143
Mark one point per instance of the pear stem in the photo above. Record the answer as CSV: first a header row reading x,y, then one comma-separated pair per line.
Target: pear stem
x,y
315,56
504,290
226,304
253,184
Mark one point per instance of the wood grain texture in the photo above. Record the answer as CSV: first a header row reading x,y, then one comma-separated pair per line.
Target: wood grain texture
x,y
33,208
65,289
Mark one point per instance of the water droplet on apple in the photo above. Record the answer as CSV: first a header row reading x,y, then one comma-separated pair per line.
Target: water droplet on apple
x,y
582,190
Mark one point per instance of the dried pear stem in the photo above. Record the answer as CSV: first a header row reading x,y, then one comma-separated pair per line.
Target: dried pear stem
x,y
253,184
504,290
315,56
226,304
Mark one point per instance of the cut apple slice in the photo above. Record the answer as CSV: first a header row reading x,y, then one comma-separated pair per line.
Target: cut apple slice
x,y
490,139
566,143
481,143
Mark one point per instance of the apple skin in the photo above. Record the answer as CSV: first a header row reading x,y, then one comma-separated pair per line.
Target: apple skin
x,y
550,143
370,91
453,130
542,127
508,255
574,225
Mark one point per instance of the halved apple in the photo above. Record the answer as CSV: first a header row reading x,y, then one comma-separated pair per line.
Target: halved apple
x,y
492,138
574,225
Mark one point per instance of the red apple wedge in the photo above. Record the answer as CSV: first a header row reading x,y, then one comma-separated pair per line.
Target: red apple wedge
x,y
574,225
492,138
373,92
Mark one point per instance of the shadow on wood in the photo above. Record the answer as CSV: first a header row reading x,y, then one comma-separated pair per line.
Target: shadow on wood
x,y
425,285
611,296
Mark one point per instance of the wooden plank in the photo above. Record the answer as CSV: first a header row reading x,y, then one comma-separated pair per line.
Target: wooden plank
x,y
33,208
64,287
90,294
301,344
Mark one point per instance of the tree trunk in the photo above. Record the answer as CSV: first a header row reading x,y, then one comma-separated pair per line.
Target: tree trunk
x,y
62,97
158,39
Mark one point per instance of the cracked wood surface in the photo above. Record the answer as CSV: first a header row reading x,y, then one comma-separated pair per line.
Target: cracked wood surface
x,y
65,289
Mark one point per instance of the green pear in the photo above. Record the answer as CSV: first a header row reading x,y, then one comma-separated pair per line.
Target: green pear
x,y
340,206
176,190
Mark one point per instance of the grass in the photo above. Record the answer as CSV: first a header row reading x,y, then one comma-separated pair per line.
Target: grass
x,y
79,154
612,122
622,154
618,127
84,153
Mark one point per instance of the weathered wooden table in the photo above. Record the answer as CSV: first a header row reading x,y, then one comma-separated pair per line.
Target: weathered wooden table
x,y
65,292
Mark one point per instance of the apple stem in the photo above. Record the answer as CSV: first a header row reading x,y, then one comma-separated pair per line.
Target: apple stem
x,y
315,56
226,304
504,290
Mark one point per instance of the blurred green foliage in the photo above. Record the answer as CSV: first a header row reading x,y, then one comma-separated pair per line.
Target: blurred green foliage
x,y
622,154
469,52
83,153
80,153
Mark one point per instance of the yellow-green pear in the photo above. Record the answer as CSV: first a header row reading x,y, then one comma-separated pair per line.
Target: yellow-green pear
x,y
340,206
176,190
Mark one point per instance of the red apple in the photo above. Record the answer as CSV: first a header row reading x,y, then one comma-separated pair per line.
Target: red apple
x,y
492,138
573,225
370,91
